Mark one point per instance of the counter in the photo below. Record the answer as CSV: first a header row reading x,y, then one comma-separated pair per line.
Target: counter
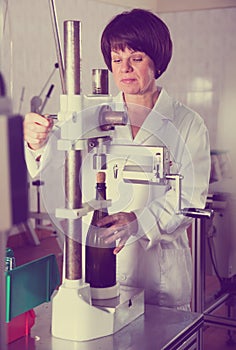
x,y
158,328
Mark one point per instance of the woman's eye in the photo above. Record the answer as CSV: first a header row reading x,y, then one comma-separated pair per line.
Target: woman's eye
x,y
137,59
116,60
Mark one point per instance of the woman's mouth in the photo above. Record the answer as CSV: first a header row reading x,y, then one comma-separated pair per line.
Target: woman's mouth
x,y
127,81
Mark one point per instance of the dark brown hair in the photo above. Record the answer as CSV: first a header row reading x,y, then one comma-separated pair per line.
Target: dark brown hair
x,y
139,30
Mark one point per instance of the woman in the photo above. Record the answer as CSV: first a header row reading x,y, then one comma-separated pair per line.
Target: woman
x,y
151,236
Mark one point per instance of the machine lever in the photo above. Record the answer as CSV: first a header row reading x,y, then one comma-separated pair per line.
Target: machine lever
x,y
198,213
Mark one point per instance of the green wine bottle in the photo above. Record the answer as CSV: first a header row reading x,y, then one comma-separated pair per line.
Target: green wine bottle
x,y
100,266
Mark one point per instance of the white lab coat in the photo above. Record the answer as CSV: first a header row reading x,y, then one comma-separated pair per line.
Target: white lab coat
x,y
158,258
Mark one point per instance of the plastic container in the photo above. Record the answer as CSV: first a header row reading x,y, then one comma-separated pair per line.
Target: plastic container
x,y
28,286
20,326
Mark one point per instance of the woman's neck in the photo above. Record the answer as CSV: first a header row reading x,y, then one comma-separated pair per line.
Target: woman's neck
x,y
138,108
147,100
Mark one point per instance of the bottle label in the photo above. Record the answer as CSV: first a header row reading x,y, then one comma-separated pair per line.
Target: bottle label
x,y
100,267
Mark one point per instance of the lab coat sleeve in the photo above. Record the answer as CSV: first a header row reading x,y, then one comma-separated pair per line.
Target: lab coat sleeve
x,y
32,158
160,221
36,160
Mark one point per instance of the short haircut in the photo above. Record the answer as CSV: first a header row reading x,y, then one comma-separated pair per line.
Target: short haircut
x,y
139,30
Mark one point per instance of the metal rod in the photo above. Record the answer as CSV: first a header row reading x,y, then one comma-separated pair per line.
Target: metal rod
x,y
49,78
218,303
57,43
73,245
198,241
46,99
72,56
178,188
220,321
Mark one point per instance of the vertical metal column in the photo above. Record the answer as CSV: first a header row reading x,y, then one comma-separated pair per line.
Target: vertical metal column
x,y
73,239
72,57
198,252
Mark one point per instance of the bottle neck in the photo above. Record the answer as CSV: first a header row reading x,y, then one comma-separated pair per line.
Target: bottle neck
x,y
101,191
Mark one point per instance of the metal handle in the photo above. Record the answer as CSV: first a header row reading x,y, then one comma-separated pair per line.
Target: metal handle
x,y
198,213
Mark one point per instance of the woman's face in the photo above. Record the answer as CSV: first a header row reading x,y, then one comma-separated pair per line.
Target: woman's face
x,y
133,71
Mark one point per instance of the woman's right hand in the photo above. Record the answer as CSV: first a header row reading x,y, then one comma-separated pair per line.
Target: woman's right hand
x,y
36,129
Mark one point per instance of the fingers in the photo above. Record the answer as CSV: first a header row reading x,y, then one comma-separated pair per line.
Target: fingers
x,y
115,235
36,118
119,219
120,245
114,225
35,138
36,129
108,220
120,227
118,248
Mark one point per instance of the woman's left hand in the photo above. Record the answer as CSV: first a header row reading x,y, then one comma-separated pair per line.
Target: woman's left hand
x,y
120,227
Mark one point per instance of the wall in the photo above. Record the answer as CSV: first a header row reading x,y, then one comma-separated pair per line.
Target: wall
x,y
29,49
201,74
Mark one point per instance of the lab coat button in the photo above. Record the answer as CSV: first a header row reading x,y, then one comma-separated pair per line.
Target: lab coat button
x,y
123,277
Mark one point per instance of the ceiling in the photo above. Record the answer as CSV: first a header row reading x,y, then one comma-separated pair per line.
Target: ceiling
x,y
173,5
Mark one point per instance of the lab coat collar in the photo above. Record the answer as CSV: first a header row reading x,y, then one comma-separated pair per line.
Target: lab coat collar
x,y
161,114
163,105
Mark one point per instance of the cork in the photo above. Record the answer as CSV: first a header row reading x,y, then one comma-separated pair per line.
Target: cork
x,y
101,177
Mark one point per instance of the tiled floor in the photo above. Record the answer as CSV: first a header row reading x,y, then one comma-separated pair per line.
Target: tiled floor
x,y
213,338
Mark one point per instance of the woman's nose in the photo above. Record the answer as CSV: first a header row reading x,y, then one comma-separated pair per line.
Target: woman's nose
x,y
126,66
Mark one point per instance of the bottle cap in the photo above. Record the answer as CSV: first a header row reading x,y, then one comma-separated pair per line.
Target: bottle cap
x,y
101,177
